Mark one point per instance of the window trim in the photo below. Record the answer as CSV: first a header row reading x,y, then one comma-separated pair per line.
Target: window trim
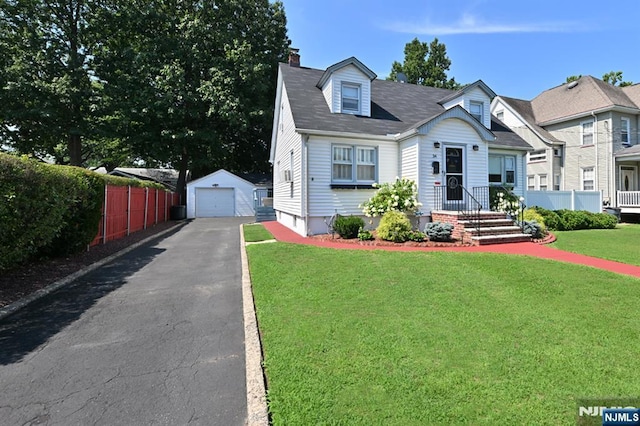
x,y
354,182
503,169
546,182
479,104
582,132
583,170
531,182
356,86
557,182
625,129
539,155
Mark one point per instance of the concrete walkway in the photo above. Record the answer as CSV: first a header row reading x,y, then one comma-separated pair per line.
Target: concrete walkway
x,y
154,337
284,234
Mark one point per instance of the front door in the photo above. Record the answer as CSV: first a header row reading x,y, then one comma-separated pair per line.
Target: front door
x,y
454,176
628,178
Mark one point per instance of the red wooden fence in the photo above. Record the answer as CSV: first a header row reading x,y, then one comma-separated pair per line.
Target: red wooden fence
x,y
128,209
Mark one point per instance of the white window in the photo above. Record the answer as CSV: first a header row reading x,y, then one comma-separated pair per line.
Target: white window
x,y
500,115
531,182
540,155
587,133
588,179
344,163
543,182
476,109
557,182
557,151
625,130
502,169
350,98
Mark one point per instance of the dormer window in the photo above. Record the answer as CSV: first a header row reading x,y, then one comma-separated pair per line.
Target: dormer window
x,y
476,110
350,98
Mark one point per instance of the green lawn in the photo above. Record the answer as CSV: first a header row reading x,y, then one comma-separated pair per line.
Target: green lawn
x,y
621,243
256,232
374,337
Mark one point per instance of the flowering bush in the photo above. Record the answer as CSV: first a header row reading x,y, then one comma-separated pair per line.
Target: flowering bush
x,y
502,201
398,196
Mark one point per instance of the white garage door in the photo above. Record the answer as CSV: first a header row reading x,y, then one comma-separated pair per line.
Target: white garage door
x,y
214,202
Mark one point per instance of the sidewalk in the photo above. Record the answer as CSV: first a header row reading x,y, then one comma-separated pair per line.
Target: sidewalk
x,y
284,234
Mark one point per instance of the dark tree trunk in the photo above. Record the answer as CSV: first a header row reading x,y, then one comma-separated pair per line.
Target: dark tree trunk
x,y
74,146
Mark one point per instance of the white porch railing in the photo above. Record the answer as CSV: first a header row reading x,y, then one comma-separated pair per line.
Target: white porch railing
x,y
628,199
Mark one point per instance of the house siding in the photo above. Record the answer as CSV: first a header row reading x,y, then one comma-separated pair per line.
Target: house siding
x,y
451,133
325,201
474,95
332,89
287,195
409,159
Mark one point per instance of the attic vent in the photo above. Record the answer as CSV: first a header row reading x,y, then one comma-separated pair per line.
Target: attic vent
x,y
572,84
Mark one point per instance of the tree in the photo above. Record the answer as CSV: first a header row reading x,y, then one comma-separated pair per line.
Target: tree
x,y
190,84
614,78
425,64
572,78
46,96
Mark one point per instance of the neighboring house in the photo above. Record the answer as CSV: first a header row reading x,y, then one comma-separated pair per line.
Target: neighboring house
x,y
339,130
220,194
585,137
166,177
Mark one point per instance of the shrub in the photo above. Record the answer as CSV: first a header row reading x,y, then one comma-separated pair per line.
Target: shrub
x,y
531,215
549,218
348,226
398,196
82,214
604,221
417,236
438,231
364,235
394,226
501,199
533,228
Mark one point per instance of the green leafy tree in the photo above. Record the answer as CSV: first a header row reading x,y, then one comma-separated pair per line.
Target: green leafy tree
x,y
425,64
614,78
572,78
190,84
46,95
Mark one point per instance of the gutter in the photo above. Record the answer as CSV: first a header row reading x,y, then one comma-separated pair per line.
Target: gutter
x,y
328,133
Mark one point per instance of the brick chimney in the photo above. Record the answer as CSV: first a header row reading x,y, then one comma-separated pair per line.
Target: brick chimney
x,y
294,58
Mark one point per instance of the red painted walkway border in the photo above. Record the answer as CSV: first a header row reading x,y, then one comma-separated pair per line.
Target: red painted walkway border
x,y
284,234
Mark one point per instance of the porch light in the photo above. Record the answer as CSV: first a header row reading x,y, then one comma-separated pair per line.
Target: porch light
x,y
476,147
436,145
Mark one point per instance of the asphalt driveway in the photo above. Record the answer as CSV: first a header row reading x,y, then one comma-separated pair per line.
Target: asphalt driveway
x,y
154,337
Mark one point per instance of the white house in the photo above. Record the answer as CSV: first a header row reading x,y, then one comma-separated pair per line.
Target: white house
x,y
337,131
220,194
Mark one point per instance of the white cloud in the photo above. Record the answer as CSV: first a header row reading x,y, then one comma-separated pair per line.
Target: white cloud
x,y
469,24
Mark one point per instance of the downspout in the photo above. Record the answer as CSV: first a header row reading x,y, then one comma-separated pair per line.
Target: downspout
x,y
595,142
305,181
609,158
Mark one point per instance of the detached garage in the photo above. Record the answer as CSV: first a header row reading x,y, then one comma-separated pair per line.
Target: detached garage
x,y
220,194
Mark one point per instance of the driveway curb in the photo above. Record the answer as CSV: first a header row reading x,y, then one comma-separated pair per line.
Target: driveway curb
x,y
19,304
257,412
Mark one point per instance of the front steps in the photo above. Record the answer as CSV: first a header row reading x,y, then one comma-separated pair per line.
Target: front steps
x,y
494,228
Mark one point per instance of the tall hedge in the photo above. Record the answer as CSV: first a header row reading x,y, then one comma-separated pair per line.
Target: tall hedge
x,y
45,209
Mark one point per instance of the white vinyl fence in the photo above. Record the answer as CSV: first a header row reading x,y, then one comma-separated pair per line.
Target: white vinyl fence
x,y
571,200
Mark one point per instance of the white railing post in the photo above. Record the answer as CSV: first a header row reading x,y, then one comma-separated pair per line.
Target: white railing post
x,y
573,200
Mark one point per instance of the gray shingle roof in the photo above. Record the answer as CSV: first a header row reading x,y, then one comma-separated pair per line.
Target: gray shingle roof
x,y
395,107
505,137
570,100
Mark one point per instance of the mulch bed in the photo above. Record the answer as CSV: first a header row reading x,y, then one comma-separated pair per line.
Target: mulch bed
x,y
23,280
382,243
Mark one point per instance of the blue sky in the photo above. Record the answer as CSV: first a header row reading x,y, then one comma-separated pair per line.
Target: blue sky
x,y
519,48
